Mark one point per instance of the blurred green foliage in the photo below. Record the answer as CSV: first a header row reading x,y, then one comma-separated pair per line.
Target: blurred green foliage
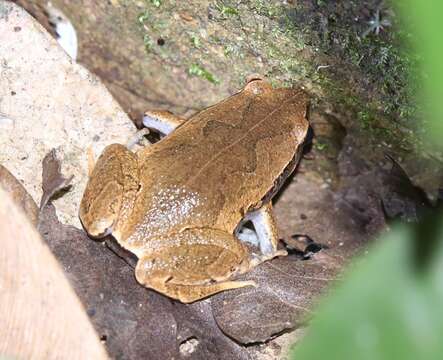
x,y
198,70
385,309
426,23
389,307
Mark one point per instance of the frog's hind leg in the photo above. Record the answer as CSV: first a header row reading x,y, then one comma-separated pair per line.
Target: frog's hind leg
x,y
163,122
193,264
265,235
190,293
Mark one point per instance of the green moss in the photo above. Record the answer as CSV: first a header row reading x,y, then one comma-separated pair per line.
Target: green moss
x,y
228,49
198,70
195,41
156,3
143,17
387,62
266,8
289,44
320,146
147,41
226,11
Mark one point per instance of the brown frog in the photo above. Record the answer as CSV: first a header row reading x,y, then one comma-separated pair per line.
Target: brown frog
x,y
179,204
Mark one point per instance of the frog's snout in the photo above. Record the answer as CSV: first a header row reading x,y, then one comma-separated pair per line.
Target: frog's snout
x,y
98,214
98,230
95,228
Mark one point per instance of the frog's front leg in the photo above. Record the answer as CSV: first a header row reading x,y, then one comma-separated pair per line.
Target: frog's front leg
x,y
162,121
265,236
193,264
110,192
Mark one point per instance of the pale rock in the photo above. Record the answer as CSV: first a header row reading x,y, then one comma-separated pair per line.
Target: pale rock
x,y
48,101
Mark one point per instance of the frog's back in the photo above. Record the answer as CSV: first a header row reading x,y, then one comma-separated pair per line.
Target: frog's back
x,y
223,161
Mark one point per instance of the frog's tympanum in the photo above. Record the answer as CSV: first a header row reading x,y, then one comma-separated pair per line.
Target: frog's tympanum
x,y
179,204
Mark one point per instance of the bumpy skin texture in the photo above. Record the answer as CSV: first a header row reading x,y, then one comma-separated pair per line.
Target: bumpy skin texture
x,y
176,204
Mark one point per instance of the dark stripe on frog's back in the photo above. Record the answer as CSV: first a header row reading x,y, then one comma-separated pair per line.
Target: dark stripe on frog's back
x,y
184,157
239,130
243,155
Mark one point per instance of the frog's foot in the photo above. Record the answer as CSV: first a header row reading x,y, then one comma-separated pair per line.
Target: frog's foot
x,y
163,122
193,264
257,259
135,139
265,235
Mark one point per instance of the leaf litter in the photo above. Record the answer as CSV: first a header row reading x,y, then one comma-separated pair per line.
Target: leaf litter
x,y
335,218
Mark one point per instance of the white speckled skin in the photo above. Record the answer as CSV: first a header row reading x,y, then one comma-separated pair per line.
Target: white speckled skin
x,y
176,204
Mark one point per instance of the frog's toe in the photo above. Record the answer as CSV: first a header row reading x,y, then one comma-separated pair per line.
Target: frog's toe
x,y
258,259
191,293
136,138
178,284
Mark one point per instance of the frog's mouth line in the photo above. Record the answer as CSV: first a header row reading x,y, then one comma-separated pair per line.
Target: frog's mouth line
x,y
100,235
108,231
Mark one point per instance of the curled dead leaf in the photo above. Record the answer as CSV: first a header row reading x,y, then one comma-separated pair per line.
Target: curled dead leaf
x,y
53,181
19,195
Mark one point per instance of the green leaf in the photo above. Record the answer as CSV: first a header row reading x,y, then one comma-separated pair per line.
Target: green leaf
x,y
384,309
389,305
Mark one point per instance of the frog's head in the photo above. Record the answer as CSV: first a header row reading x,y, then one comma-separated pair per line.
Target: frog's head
x,y
100,207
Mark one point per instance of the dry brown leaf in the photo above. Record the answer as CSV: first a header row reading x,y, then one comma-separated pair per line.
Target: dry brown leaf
x,y
134,322
340,220
122,311
41,318
53,180
288,287
283,300
19,194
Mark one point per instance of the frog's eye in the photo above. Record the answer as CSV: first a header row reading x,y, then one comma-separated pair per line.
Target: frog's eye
x,y
254,77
